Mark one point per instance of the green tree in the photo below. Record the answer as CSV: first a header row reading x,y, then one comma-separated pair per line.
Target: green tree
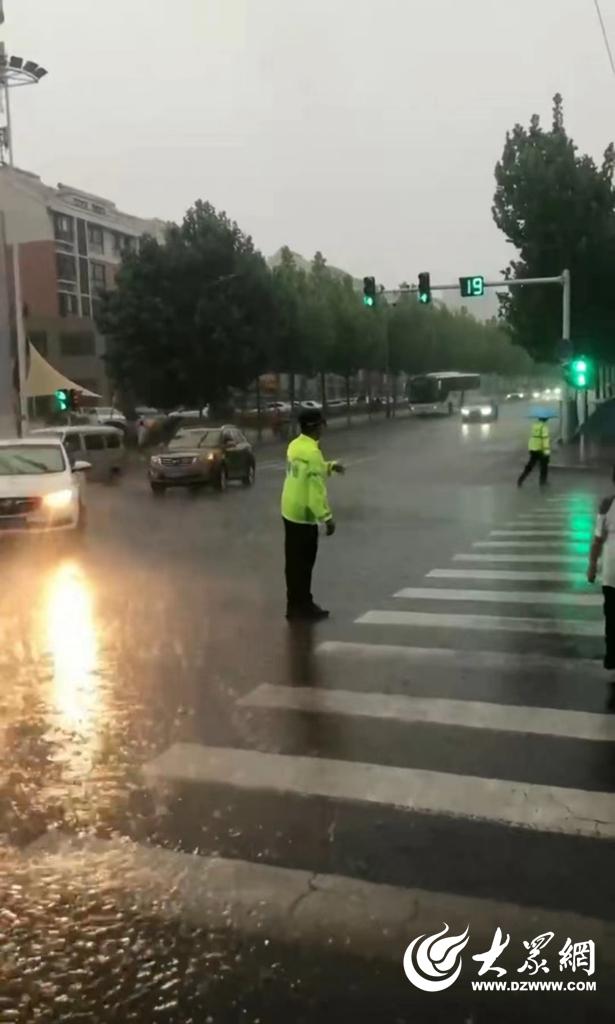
x,y
557,208
191,317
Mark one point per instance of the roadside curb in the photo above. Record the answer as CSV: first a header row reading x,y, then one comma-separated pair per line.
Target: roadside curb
x,y
332,913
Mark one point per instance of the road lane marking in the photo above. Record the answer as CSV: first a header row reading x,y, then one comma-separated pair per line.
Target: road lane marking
x,y
525,805
512,557
544,665
520,575
500,596
471,714
505,623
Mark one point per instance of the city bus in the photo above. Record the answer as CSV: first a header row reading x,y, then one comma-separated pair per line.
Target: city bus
x,y
441,393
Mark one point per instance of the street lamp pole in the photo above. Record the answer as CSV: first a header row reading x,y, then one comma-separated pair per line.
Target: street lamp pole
x,y
14,72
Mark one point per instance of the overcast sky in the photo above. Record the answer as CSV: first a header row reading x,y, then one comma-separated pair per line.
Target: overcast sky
x,y
365,128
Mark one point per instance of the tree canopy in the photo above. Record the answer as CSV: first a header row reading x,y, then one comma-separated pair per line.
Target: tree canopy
x,y
202,313
191,317
556,207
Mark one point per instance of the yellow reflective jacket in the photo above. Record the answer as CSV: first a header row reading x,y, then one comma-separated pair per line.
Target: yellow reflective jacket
x,y
304,496
539,438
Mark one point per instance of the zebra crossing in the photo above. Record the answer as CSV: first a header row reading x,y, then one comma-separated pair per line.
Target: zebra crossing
x,y
477,748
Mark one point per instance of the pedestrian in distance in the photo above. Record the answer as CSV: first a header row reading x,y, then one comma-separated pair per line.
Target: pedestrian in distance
x,y
539,447
305,505
141,432
603,546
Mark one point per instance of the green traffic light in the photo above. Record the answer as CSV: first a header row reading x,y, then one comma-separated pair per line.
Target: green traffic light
x,y
423,297
579,366
61,397
368,300
581,380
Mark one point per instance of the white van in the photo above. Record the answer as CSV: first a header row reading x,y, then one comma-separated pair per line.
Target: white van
x,y
102,447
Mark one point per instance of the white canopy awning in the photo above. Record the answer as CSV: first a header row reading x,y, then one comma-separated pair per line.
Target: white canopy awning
x,y
43,379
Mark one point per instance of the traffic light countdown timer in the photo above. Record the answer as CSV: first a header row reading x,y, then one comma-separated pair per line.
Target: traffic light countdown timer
x,y
472,287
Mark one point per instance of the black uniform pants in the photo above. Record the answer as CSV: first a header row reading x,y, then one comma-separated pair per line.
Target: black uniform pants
x,y
609,626
300,547
543,462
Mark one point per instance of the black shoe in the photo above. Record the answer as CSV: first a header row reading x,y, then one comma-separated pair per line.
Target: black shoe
x,y
311,613
316,612
609,663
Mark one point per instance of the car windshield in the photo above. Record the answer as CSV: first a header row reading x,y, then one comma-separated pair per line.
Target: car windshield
x,y
195,439
30,460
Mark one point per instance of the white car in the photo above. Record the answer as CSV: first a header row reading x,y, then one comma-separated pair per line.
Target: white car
x,y
39,492
278,406
106,414
190,414
309,404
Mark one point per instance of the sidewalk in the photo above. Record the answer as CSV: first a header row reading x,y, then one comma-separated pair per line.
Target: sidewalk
x,y
584,456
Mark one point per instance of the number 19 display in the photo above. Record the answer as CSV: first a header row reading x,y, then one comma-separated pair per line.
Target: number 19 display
x,y
472,287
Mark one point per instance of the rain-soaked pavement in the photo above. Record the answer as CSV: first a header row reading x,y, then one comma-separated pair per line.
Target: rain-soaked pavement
x,y
157,715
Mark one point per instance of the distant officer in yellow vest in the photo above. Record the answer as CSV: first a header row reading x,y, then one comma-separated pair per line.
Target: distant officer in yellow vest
x,y
539,447
304,505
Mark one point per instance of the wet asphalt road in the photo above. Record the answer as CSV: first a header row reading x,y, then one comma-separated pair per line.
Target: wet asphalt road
x,y
166,628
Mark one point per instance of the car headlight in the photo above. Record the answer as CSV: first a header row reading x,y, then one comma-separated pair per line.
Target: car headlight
x,y
486,410
211,457
155,460
58,499
465,412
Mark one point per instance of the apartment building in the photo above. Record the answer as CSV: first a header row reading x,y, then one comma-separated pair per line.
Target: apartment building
x,y
70,246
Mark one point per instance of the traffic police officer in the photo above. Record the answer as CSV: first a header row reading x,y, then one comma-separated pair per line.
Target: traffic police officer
x,y
539,447
304,506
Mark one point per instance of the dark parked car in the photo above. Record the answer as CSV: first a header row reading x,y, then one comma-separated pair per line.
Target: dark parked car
x,y
203,455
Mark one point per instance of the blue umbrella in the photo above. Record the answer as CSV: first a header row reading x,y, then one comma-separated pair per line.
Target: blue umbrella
x,y
541,412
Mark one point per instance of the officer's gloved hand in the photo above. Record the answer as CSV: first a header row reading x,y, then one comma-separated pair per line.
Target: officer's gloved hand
x,y
330,527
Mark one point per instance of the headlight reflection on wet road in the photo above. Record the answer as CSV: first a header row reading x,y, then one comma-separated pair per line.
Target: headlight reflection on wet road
x,y
73,647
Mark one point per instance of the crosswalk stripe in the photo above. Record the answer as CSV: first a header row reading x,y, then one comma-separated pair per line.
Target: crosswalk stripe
x,y
506,623
547,665
520,575
323,912
526,805
552,513
567,545
579,535
512,557
499,596
571,506
581,725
